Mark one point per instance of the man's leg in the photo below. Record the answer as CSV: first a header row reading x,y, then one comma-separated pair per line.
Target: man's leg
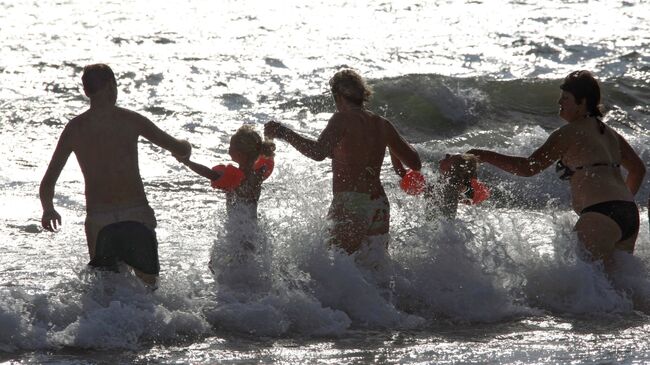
x,y
149,279
134,244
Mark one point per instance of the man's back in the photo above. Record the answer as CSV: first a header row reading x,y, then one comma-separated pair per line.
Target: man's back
x,y
105,144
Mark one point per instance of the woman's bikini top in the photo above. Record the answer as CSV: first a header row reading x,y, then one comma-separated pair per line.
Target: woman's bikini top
x,y
564,172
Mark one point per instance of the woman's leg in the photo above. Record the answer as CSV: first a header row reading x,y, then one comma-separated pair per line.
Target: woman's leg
x,y
599,234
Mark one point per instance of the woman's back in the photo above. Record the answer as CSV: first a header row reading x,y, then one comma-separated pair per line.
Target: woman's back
x,y
595,157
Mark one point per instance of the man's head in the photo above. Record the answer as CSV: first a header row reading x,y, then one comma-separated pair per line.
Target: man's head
x,y
96,77
350,85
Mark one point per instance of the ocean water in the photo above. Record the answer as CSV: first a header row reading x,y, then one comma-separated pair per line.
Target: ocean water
x,y
505,282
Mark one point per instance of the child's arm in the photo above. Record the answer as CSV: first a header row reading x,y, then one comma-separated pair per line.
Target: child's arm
x,y
202,170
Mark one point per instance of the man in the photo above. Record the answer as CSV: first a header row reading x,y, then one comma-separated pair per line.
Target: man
x,y
119,224
356,140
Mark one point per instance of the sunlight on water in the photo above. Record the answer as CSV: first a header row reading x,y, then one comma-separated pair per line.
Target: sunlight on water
x,y
504,282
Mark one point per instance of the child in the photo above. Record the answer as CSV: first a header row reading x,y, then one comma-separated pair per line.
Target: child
x,y
243,186
458,183
458,174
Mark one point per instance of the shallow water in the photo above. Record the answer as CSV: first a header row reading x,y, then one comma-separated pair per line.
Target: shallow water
x,y
504,282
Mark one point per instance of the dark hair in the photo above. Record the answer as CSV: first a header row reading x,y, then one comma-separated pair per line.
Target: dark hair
x,y
96,77
350,85
251,142
583,86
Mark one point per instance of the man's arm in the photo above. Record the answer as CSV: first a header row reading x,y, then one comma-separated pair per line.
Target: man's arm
x,y
401,150
537,162
179,148
51,218
316,150
631,161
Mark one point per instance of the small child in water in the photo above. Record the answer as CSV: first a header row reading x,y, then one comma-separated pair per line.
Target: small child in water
x,y
458,173
243,185
457,184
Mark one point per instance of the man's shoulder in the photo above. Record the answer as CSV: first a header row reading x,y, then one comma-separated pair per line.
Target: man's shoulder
x,y
75,122
128,113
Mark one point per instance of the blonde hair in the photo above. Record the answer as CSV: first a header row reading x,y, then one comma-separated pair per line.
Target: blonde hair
x,y
350,85
249,142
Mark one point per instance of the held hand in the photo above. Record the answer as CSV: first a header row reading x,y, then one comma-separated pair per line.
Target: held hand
x,y
476,152
51,220
185,157
272,129
182,159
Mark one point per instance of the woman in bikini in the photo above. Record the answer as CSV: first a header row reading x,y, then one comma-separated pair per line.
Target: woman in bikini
x,y
589,155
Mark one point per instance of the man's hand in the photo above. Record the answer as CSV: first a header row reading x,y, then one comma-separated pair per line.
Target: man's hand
x,y
273,129
187,155
51,220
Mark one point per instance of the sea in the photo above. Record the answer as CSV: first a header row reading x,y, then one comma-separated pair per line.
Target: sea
x,y
504,282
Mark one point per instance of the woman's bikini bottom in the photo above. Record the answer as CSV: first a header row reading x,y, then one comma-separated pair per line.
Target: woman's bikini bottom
x,y
624,213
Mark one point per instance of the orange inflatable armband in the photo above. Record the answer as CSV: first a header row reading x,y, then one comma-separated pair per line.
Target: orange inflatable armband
x,y
481,191
413,182
266,163
230,179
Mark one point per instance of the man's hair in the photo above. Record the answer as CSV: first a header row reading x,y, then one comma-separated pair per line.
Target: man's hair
x,y
250,142
95,77
583,86
350,85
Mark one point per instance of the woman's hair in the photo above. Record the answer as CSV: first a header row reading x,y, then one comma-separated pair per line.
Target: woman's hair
x,y
583,86
350,85
96,77
250,142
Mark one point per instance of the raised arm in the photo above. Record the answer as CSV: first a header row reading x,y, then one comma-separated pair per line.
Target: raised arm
x,y
631,161
401,150
148,130
202,170
51,218
537,162
315,149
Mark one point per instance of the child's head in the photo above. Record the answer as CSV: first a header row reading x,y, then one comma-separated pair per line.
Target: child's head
x,y
246,145
460,168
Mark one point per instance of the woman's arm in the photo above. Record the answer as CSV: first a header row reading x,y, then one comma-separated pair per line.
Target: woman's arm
x,y
401,150
318,149
631,161
537,162
398,167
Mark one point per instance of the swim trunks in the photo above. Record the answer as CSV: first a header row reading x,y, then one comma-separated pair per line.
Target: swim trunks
x,y
130,242
103,216
624,213
372,214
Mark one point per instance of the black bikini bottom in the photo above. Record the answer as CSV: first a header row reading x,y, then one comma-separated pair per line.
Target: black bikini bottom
x,y
624,213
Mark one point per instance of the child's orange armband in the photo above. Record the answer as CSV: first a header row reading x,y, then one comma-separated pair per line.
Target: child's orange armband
x,y
231,177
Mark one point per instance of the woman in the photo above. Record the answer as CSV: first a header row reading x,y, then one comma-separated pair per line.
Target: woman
x,y
589,155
